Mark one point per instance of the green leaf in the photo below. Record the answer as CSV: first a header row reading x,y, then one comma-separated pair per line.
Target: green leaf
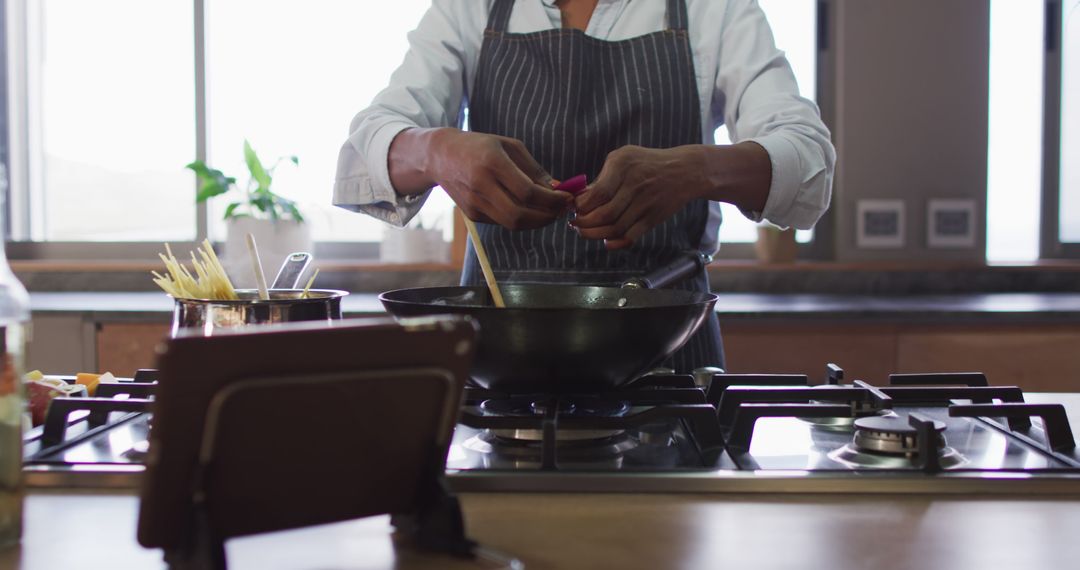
x,y
258,201
198,167
291,207
288,207
211,182
263,202
255,166
230,212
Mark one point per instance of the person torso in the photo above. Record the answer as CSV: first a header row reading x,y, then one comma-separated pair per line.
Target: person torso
x,y
572,99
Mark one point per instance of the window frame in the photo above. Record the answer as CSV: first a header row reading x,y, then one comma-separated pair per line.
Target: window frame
x,y
16,146
1050,244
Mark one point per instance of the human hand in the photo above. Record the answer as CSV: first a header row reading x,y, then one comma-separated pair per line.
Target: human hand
x,y
494,179
637,189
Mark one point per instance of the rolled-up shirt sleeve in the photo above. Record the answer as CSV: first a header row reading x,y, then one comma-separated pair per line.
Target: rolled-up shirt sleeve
x,y
427,90
760,98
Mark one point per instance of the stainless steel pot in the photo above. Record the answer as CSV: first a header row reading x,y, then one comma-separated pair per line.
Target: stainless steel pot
x,y
284,305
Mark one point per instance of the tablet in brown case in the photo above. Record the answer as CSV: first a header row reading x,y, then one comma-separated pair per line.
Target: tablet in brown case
x,y
273,428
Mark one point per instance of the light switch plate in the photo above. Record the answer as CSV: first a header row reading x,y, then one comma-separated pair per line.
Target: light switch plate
x,y
879,224
950,223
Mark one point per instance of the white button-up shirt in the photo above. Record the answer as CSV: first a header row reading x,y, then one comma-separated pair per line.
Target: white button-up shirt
x,y
743,80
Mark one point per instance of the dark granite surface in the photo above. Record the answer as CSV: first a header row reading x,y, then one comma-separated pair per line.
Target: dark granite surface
x,y
1063,308
798,278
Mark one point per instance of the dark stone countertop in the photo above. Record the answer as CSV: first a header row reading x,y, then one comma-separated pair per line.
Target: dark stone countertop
x,y
1039,308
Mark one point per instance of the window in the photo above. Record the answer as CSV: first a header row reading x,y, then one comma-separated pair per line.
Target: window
x,y
103,109
1015,148
1069,205
334,56
109,122
794,27
103,112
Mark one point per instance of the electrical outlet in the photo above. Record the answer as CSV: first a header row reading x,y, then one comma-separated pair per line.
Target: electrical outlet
x,y
950,223
879,224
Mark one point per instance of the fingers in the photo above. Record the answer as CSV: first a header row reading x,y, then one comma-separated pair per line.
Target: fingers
x,y
490,202
529,194
525,162
496,181
609,182
620,243
631,236
527,181
607,208
619,227
607,214
601,191
638,218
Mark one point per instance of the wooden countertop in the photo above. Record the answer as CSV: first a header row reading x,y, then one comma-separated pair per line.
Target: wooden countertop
x,y
65,530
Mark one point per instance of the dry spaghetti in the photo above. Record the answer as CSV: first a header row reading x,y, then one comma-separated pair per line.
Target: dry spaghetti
x,y
209,281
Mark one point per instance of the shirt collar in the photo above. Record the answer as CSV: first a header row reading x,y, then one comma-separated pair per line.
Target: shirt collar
x,y
551,3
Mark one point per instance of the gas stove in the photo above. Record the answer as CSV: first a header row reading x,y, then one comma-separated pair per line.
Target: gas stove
x,y
920,433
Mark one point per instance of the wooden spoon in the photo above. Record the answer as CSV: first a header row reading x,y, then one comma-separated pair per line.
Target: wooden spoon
x,y
256,265
485,265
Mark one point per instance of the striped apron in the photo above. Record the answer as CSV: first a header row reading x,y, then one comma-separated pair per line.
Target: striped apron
x,y
572,99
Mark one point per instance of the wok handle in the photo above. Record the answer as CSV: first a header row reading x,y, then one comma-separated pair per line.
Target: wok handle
x,y
684,265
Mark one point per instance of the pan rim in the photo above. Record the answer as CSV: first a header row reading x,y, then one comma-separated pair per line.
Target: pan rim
x,y
319,295
384,297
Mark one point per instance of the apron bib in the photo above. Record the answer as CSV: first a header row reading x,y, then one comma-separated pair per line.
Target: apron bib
x,y
572,99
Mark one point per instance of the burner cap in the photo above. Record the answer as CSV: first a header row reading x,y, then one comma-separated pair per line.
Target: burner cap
x,y
893,424
891,434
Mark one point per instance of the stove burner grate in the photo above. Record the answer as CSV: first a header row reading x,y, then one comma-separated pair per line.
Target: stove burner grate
x,y
577,406
539,407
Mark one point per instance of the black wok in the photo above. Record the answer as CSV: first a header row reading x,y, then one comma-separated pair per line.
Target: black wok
x,y
562,338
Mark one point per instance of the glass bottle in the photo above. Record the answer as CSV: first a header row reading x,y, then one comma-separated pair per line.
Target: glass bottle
x,y
14,319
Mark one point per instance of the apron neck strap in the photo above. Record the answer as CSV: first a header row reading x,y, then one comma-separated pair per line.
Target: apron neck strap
x,y
499,19
676,13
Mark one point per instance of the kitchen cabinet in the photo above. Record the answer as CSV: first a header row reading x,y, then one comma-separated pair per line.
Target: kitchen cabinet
x,y
123,348
865,352
1043,358
61,344
70,343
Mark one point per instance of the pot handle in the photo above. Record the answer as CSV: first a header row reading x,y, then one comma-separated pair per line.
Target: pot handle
x,y
684,265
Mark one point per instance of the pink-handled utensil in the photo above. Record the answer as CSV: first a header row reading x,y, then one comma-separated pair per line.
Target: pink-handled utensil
x,y
573,185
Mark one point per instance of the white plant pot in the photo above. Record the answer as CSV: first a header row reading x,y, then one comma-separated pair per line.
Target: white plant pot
x,y
275,241
412,245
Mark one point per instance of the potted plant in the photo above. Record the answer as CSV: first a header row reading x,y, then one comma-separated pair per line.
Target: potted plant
x,y
417,242
775,245
275,221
